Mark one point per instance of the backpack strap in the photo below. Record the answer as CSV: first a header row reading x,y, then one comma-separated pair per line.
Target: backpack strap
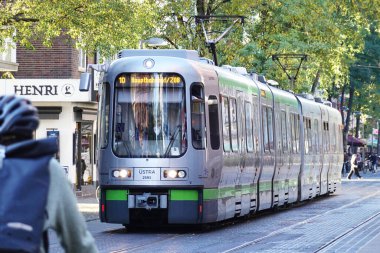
x,y
2,155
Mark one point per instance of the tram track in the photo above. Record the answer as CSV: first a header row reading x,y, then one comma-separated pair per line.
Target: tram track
x,y
273,234
141,247
347,233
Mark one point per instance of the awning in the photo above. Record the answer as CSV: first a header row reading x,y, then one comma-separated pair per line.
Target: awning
x,y
354,141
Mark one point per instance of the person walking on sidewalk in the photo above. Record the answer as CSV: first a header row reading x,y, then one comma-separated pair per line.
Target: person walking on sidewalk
x,y
355,158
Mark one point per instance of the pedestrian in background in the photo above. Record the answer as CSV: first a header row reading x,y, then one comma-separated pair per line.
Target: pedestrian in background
x,y
355,160
373,159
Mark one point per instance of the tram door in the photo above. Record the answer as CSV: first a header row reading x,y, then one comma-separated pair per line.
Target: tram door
x,y
242,156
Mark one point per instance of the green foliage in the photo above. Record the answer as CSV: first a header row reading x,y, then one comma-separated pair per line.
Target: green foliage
x,y
365,75
334,34
102,25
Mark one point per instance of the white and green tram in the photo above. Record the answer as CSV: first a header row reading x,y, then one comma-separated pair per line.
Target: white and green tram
x,y
182,141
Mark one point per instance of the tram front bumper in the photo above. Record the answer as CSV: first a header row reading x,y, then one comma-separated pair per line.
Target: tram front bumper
x,y
176,206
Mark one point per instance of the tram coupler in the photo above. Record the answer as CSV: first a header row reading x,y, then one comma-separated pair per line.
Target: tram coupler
x,y
147,201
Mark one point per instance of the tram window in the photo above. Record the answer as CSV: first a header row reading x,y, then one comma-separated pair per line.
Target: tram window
x,y
226,124
294,130
316,137
297,131
256,123
198,116
234,127
265,130
326,139
152,121
306,142
291,133
284,133
309,135
270,128
214,122
333,138
248,126
103,123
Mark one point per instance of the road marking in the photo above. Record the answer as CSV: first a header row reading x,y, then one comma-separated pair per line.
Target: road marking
x,y
88,207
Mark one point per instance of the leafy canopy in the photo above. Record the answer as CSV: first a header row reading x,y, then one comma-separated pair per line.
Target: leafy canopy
x,y
95,25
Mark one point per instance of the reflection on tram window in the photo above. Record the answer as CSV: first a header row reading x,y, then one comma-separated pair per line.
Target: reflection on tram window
x,y
150,117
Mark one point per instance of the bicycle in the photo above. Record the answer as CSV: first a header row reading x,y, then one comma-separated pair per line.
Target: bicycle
x,y
366,166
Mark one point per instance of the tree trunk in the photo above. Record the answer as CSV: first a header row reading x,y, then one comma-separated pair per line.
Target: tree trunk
x,y
350,100
315,82
342,114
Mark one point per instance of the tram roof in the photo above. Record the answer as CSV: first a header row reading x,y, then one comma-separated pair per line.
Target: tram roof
x,y
179,53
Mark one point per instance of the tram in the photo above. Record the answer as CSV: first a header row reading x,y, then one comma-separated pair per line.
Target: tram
x,y
182,141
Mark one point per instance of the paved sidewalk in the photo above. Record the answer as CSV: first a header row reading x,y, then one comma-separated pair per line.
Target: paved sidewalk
x,y
87,202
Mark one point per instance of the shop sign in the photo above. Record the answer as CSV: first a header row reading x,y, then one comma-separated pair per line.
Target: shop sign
x,y
45,89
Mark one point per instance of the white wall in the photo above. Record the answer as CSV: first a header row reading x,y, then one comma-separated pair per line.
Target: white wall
x,y
66,127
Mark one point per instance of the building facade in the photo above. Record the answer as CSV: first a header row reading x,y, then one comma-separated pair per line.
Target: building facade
x,y
49,77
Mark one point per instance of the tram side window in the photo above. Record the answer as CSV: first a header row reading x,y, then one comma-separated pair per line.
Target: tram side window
x,y
234,127
248,126
310,135
265,130
226,124
326,140
198,117
214,121
297,131
307,132
284,133
316,137
306,141
333,137
294,132
104,105
255,126
270,128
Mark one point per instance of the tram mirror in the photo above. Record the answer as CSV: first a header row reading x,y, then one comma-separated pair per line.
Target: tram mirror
x,y
212,101
85,81
195,99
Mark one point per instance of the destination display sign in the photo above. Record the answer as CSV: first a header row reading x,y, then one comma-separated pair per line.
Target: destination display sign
x,y
140,79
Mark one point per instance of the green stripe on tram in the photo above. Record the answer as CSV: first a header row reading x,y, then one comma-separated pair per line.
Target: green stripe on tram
x,y
184,195
116,194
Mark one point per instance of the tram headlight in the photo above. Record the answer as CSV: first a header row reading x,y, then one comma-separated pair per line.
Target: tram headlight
x,y
116,173
122,173
175,174
171,173
181,174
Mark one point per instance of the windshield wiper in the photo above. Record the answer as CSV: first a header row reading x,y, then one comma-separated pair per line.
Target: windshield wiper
x,y
173,137
125,145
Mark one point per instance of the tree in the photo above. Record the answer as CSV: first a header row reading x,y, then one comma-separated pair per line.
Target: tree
x,y
105,26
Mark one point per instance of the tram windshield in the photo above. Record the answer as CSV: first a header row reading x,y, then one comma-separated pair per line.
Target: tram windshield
x,y
150,115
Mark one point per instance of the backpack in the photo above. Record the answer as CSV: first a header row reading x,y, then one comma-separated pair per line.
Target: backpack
x,y
25,179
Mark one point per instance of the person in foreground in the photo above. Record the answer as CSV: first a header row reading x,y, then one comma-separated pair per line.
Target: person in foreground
x,y
56,206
